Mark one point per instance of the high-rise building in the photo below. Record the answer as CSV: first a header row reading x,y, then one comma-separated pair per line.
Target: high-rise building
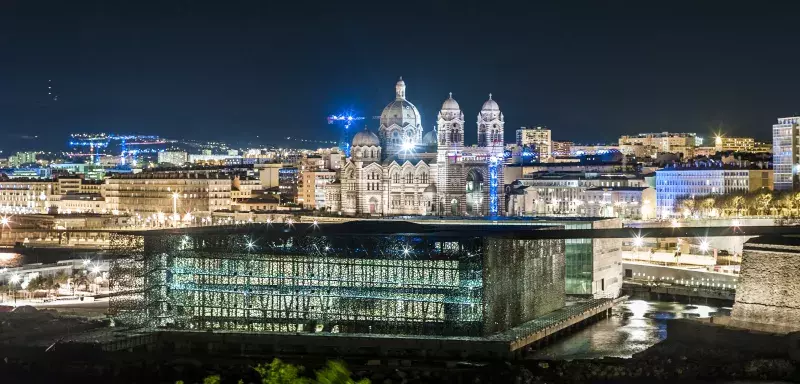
x,y
22,158
268,174
312,189
173,157
537,138
288,180
735,144
651,144
785,156
562,148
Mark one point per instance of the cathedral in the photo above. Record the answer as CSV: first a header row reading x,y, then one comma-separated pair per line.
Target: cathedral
x,y
405,171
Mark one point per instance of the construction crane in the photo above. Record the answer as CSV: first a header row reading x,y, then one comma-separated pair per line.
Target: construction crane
x,y
346,137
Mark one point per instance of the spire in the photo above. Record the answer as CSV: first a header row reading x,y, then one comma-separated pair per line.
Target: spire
x,y
490,95
400,89
451,95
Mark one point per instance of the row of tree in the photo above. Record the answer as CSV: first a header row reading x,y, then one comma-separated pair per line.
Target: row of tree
x,y
53,283
784,204
278,372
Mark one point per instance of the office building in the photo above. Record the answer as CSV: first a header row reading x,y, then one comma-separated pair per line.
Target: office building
x,y
173,157
538,139
785,156
288,182
22,158
675,184
562,148
651,144
311,192
735,144
626,203
268,174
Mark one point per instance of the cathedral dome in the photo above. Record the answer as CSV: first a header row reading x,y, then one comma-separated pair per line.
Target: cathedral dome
x,y
400,111
430,138
366,138
490,111
451,104
490,105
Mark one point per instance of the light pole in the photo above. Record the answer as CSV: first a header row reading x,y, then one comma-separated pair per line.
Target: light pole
x,y
95,270
175,216
14,280
4,222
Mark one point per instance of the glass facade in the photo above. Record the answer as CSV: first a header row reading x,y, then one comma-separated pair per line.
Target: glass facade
x,y
579,266
455,284
784,153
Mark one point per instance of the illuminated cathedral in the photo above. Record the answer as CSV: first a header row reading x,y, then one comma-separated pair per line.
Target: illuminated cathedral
x,y
404,170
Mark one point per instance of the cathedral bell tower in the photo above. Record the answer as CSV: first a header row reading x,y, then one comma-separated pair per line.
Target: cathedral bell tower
x,y
450,179
491,125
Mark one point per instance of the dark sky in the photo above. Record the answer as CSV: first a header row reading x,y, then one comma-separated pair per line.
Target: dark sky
x,y
233,69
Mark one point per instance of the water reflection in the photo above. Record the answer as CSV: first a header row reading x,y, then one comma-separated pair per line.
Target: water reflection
x,y
10,259
635,326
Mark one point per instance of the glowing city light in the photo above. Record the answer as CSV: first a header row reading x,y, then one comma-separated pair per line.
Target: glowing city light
x,y
638,241
250,245
704,246
5,222
96,269
15,279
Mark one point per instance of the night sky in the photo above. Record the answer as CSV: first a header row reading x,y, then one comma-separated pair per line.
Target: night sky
x,y
232,70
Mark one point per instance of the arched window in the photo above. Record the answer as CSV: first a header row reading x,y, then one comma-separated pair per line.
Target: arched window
x,y
424,178
396,178
409,178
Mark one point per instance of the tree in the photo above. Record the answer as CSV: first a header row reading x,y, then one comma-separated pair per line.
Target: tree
x,y
787,205
707,205
688,205
335,372
79,280
278,372
763,203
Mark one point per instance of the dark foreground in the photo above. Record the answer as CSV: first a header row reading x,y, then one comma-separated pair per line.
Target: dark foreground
x,y
666,362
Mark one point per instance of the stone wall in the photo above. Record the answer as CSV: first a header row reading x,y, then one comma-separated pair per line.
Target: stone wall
x,y
769,286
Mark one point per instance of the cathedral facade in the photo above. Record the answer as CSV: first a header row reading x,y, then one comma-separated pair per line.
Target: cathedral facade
x,y
405,171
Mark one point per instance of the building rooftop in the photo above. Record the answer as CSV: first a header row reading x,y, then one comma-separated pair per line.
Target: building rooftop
x,y
170,175
266,199
617,188
714,168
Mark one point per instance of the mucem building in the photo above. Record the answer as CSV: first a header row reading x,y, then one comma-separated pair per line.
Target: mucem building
x,y
359,277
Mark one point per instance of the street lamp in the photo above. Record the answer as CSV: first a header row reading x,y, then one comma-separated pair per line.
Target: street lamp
x,y
175,216
704,246
14,280
95,270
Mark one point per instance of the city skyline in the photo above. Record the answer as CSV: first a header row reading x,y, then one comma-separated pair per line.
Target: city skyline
x,y
157,69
